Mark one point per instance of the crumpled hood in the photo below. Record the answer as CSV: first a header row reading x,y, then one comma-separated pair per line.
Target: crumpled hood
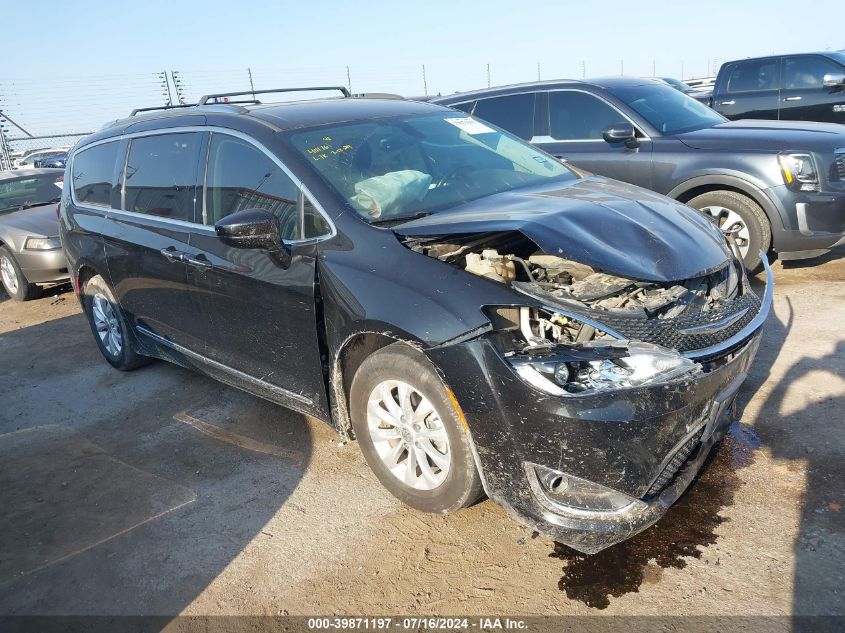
x,y
618,228
767,136
39,220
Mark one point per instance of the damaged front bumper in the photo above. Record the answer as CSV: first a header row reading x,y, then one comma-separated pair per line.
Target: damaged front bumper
x,y
593,470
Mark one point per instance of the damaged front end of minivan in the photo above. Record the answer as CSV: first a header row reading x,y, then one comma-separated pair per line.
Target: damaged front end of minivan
x,y
595,397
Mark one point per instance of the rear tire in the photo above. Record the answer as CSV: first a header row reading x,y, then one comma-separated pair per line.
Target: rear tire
x,y
15,283
732,210
109,326
410,432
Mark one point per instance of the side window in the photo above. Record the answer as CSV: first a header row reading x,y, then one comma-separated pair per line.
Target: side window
x,y
754,75
92,172
315,224
465,107
514,113
577,116
240,176
161,175
808,71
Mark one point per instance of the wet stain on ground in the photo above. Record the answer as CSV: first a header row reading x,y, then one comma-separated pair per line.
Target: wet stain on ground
x,y
688,525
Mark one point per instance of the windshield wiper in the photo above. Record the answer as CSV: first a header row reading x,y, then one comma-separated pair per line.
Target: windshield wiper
x,y
400,219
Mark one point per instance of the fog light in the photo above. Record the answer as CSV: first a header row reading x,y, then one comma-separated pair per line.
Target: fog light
x,y
568,493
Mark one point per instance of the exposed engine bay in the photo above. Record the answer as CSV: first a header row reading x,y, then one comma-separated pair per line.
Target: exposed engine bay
x,y
511,258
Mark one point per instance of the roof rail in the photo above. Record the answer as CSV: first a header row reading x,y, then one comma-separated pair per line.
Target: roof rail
x,y
164,107
377,95
206,98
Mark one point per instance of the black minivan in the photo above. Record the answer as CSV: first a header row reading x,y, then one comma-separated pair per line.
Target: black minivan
x,y
477,314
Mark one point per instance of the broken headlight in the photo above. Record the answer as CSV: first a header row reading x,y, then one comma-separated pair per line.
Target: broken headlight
x,y
600,366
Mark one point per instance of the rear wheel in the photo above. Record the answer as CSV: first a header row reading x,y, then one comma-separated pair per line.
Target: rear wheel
x,y
108,323
740,216
410,432
15,283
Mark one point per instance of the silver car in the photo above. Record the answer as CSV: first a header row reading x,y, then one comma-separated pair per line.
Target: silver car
x,y
30,251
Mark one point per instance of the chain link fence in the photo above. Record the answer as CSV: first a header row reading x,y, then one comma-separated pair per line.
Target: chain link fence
x,y
55,112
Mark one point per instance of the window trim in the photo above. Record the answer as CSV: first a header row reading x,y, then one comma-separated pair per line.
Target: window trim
x,y
201,227
551,139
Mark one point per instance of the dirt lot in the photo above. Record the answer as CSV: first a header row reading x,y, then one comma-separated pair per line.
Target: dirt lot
x,y
163,492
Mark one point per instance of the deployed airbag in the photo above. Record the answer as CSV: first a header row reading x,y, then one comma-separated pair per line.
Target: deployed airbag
x,y
383,196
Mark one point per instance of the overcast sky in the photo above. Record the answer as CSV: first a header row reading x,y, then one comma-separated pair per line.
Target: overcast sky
x,y
74,64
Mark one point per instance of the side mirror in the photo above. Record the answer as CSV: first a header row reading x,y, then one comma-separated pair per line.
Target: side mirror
x,y
834,80
254,228
621,133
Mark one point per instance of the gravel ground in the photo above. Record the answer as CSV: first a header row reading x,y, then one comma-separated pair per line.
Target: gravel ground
x,y
162,492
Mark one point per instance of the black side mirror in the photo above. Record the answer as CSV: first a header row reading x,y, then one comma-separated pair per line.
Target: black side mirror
x,y
254,228
621,133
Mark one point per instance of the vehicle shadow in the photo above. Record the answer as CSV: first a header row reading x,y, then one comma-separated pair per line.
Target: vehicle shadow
x,y
129,493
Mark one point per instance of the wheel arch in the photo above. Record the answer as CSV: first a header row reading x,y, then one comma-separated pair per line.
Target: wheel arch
x,y
689,189
348,358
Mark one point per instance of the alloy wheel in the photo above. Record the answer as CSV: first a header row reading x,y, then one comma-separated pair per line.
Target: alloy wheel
x,y
107,324
10,277
729,221
408,435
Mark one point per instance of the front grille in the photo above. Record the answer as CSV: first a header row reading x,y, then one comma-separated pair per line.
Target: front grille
x,y
839,159
674,465
668,332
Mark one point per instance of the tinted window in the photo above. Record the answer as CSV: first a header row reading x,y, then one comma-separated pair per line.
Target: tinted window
x,y
808,72
315,224
93,174
240,177
667,109
161,175
514,113
750,76
578,115
31,191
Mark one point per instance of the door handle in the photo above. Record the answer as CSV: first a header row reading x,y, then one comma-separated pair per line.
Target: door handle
x,y
731,102
792,99
172,255
200,261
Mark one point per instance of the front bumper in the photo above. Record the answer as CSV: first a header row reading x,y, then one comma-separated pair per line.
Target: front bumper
x,y
815,222
645,442
41,267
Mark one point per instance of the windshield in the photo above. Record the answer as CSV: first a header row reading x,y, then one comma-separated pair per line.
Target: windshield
x,y
32,191
667,109
395,168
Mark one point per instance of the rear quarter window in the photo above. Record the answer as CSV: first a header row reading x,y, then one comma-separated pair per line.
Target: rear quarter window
x,y
92,174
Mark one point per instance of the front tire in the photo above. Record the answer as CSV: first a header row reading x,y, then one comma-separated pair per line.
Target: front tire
x,y
15,283
410,432
109,326
738,214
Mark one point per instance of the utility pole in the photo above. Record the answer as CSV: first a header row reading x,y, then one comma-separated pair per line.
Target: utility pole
x,y
538,71
653,68
178,85
621,67
251,85
165,88
682,70
583,70
348,79
425,83
5,150
488,75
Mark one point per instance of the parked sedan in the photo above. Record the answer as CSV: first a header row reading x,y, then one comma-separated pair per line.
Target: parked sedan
x,y
775,185
30,251
478,315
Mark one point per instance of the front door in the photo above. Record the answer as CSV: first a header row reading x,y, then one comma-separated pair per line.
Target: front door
x,y
147,240
260,317
804,96
749,89
576,122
